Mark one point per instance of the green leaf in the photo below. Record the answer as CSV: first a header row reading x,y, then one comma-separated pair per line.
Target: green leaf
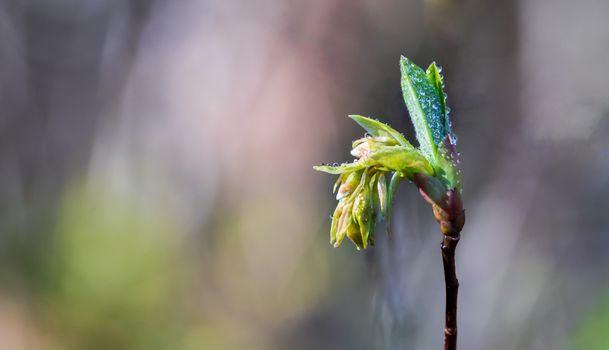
x,y
426,105
391,158
402,159
394,182
436,79
344,168
381,188
378,129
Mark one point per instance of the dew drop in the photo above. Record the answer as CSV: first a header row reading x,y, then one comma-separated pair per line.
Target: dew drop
x,y
453,138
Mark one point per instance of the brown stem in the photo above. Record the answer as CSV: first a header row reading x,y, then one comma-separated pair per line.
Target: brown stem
x,y
449,244
451,219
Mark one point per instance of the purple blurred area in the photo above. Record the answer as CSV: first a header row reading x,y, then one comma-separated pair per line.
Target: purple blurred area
x,y
157,191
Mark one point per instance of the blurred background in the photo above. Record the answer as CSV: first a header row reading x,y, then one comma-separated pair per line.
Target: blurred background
x,y
157,191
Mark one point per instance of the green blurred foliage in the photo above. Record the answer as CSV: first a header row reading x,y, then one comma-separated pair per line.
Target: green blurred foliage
x,y
119,276
113,278
591,334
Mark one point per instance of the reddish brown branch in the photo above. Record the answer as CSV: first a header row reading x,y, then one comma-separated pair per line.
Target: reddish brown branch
x,y
449,245
451,222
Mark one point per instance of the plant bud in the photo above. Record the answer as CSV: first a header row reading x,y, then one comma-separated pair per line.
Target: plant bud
x,y
343,221
349,185
355,235
381,187
335,220
361,149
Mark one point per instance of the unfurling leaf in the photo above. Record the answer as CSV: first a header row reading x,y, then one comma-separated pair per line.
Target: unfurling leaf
x,y
426,105
378,129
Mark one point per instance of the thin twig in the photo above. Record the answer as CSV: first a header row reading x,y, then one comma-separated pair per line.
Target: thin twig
x,y
449,245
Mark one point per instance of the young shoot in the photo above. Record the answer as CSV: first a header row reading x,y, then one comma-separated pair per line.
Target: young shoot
x,y
366,186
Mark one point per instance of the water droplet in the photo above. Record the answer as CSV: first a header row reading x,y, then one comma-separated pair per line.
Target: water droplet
x,y
334,164
439,68
447,110
452,138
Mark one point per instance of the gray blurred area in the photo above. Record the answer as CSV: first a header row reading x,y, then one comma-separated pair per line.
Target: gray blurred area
x,y
157,191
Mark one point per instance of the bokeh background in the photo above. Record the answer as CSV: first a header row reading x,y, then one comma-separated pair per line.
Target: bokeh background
x,y
156,189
